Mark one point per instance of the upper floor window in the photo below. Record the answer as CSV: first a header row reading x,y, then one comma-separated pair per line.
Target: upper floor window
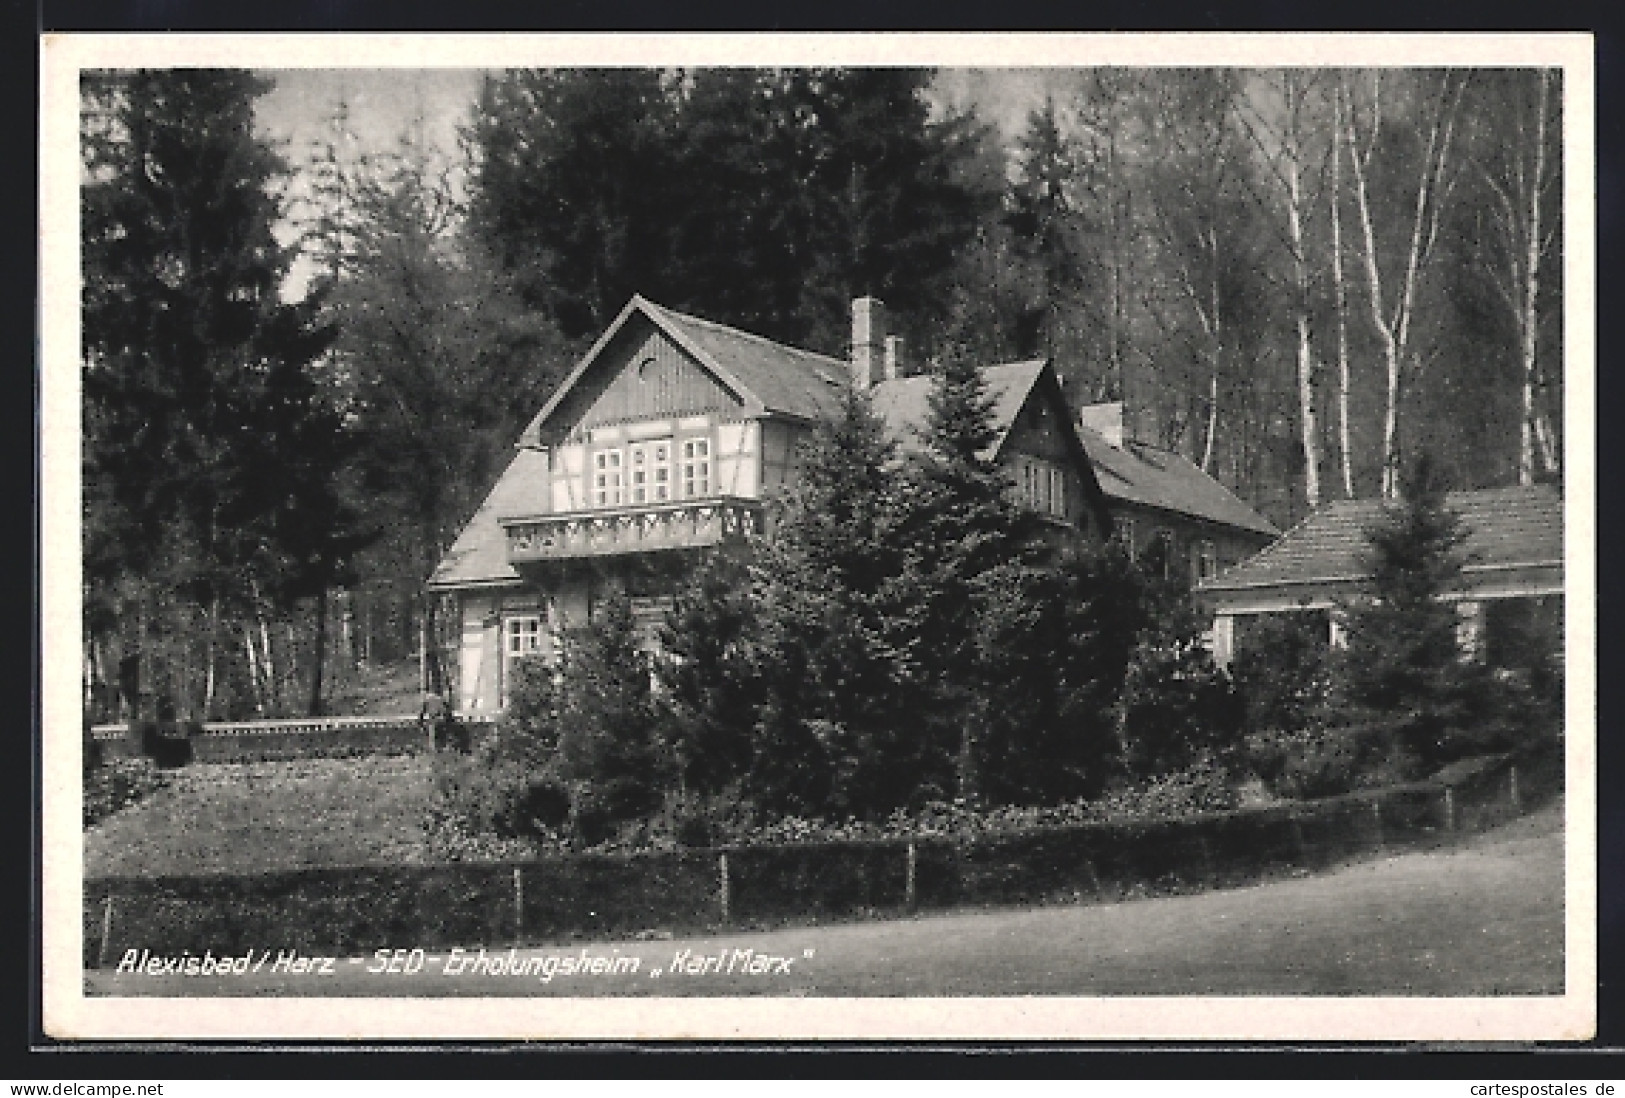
x,y
696,467
608,489
1041,486
650,472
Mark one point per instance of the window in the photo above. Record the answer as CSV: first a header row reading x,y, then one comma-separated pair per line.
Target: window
x,y
607,487
1041,487
650,473
696,467
521,637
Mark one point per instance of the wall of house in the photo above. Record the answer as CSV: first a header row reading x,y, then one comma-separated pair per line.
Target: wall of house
x,y
1038,438
1140,526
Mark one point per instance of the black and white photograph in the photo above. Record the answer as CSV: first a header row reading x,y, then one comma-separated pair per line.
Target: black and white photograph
x,y
792,537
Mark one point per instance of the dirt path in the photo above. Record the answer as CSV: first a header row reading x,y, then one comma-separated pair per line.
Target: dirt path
x,y
1485,918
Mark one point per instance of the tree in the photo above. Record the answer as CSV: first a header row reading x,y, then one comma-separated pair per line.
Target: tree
x,y
1404,664
1178,706
1523,171
570,180
711,689
207,425
962,526
443,364
1396,264
835,733
609,748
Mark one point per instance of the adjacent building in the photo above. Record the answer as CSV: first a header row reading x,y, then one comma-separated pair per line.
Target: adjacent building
x,y
672,433
1511,586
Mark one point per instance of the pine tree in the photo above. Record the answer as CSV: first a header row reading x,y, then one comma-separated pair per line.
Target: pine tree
x,y
610,748
834,673
963,529
200,381
1404,663
712,691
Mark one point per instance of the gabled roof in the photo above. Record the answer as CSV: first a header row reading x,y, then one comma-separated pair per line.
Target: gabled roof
x,y
784,380
480,553
1506,528
1143,474
768,377
904,404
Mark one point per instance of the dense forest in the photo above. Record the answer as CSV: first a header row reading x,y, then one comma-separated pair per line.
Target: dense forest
x,y
1293,277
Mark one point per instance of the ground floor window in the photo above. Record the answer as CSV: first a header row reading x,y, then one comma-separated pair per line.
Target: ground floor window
x,y
521,637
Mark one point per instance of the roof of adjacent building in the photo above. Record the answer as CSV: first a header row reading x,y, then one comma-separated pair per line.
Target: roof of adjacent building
x,y
1142,474
1506,528
480,553
904,403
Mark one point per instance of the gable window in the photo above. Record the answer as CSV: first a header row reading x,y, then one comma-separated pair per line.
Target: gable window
x,y
608,490
650,471
1041,487
696,467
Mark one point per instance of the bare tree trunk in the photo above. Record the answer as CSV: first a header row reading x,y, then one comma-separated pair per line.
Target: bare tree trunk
x,y
254,676
1344,449
316,658
1309,427
1432,189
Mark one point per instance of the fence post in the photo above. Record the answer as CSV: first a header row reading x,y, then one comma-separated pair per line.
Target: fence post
x,y
1512,791
107,929
1303,847
518,905
1094,877
723,884
910,894
1207,861
1449,808
1376,815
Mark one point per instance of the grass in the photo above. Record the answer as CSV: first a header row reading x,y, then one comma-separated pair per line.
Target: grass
x,y
250,817
384,689
1484,917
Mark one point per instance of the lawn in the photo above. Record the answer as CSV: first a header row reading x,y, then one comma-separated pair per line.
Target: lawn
x,y
1481,918
250,817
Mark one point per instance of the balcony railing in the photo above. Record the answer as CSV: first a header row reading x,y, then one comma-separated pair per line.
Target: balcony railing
x,y
688,524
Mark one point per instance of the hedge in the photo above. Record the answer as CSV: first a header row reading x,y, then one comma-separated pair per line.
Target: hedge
x,y
358,909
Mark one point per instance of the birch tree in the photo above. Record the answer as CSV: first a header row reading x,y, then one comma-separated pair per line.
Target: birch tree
x,y
1283,117
1396,261
1522,171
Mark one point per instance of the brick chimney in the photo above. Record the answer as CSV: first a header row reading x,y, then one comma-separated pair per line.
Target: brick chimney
x,y
1105,420
868,341
895,366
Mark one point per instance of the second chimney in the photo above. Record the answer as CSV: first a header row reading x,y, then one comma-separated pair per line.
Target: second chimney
x,y
1107,419
868,340
895,366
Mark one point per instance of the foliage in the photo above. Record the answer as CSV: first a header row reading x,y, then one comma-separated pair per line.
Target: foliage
x,y
1323,762
765,198
117,784
1177,704
710,688
1281,671
212,436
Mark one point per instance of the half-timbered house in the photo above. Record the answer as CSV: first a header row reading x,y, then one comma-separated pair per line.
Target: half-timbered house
x,y
673,432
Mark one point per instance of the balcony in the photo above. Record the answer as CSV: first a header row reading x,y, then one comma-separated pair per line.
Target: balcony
x,y
687,524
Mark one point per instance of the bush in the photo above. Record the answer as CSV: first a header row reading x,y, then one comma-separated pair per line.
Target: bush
x,y
1325,762
117,784
1281,671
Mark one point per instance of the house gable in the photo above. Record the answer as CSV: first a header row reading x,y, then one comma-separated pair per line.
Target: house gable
x,y
641,372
